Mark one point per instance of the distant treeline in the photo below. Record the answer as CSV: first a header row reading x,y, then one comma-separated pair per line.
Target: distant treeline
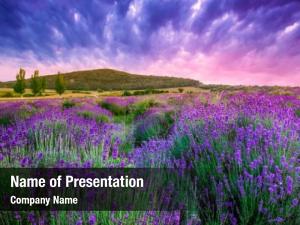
x,y
36,83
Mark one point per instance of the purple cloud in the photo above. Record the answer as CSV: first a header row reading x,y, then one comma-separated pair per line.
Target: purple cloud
x,y
257,38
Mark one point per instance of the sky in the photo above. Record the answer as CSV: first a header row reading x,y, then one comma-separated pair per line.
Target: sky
x,y
251,42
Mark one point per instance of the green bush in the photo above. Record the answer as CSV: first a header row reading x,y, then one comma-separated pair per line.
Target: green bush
x,y
7,94
181,145
80,92
149,91
127,113
126,93
155,91
115,109
86,114
297,112
141,107
126,146
243,121
28,95
90,115
68,104
5,121
139,93
155,126
102,119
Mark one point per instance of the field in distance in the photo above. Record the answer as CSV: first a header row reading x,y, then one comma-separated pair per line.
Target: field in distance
x,y
9,94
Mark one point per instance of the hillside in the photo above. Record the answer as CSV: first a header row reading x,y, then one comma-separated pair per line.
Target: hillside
x,y
108,79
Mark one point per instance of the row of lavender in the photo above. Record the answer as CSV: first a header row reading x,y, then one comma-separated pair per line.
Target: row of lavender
x,y
243,151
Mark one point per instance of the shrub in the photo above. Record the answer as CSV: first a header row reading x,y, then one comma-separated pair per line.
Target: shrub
x,y
86,114
139,93
102,119
80,92
141,107
243,121
90,115
126,146
180,147
5,120
114,108
126,93
297,112
28,95
149,91
7,94
155,91
68,104
180,90
154,126
127,113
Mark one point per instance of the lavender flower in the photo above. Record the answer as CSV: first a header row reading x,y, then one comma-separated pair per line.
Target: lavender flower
x,y
25,161
289,185
1,156
79,222
92,219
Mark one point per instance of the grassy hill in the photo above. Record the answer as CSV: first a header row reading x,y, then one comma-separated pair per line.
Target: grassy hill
x,y
108,79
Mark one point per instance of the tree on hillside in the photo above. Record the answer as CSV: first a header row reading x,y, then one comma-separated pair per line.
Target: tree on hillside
x,y
20,84
43,84
60,84
35,83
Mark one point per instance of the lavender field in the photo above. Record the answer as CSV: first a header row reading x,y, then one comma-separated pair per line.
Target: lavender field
x,y
244,149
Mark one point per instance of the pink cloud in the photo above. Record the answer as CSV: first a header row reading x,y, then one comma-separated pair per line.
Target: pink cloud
x,y
216,68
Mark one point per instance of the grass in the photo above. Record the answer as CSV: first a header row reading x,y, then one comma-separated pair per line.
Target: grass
x,y
50,93
8,93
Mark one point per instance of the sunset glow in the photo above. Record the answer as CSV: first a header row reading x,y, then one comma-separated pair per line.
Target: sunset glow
x,y
214,41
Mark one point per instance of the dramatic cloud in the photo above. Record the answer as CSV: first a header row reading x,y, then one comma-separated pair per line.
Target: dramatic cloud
x,y
214,41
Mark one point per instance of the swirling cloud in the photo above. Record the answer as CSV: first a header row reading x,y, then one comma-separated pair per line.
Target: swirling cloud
x,y
214,41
